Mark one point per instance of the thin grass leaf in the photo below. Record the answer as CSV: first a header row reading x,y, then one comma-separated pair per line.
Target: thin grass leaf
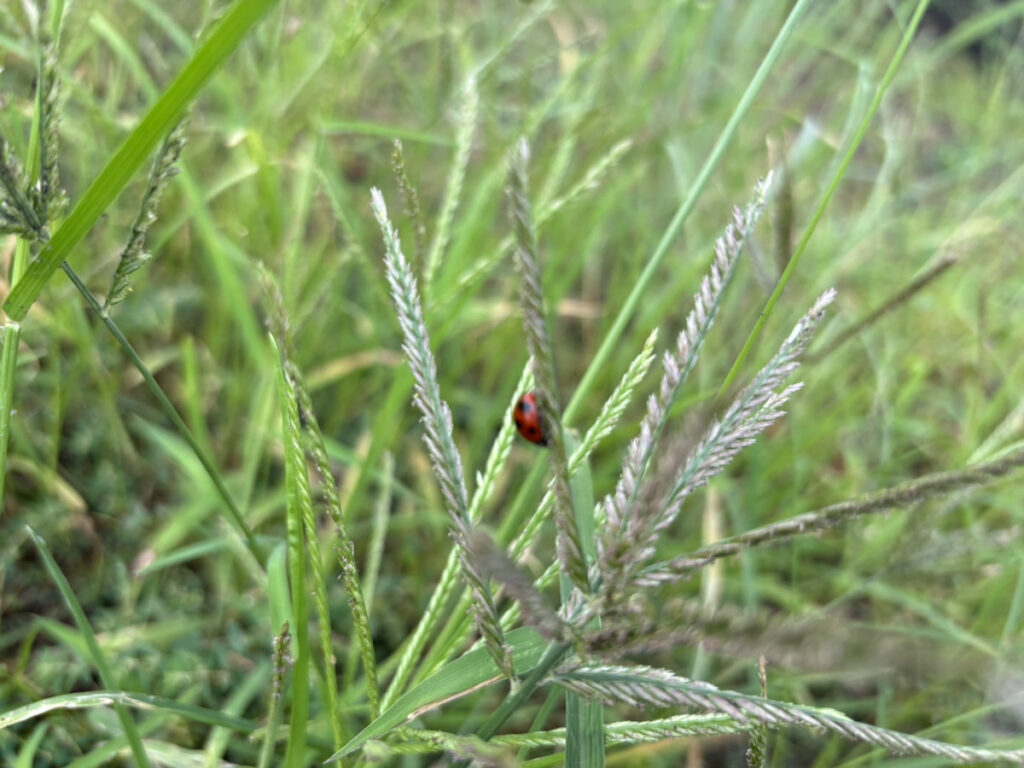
x,y
584,719
349,574
437,420
345,548
611,337
88,700
96,655
900,297
809,523
466,674
375,549
647,686
241,695
234,512
156,124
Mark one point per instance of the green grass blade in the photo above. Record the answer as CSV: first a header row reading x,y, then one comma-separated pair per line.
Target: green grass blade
x,y
8,364
584,719
90,699
12,330
299,502
27,753
162,116
250,687
787,273
103,668
611,337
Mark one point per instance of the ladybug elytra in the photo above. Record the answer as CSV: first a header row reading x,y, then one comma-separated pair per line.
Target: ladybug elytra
x,y
527,419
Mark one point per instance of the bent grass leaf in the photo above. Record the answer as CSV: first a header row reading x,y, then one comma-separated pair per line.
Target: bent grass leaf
x,y
142,701
464,675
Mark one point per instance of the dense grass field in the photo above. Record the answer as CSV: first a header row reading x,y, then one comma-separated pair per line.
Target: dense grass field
x,y
156,557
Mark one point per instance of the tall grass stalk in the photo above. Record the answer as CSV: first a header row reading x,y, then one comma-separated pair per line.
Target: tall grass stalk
x,y
42,142
787,273
531,297
696,189
299,507
448,581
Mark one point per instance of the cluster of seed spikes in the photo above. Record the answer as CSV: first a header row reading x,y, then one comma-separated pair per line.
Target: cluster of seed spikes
x,y
598,619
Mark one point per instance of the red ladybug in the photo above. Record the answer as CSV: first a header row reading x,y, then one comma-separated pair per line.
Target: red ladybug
x,y
526,416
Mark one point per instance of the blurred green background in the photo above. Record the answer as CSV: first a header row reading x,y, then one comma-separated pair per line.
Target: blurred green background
x,y
284,146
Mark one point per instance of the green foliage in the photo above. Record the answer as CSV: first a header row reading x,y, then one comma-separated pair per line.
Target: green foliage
x,y
175,524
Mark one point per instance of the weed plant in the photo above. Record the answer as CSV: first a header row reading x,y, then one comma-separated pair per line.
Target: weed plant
x,y
263,501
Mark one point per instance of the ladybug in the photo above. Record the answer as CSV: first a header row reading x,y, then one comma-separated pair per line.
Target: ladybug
x,y
526,416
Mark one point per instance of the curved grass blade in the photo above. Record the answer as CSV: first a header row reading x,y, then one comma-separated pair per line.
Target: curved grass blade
x,y
464,675
142,701
103,667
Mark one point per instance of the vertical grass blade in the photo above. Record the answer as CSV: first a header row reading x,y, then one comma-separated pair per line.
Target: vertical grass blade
x,y
299,503
584,719
787,273
611,338
162,116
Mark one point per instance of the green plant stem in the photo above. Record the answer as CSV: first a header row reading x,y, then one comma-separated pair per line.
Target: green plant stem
x,y
554,654
551,656
611,337
8,362
787,273
234,513
12,329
